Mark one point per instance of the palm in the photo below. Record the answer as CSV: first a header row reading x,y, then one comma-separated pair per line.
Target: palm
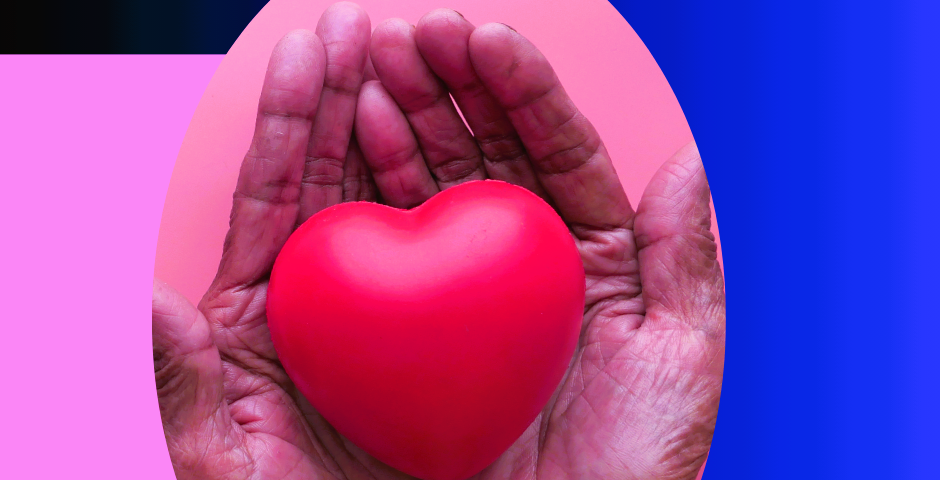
x,y
641,396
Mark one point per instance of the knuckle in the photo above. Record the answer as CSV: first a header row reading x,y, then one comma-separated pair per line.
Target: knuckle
x,y
343,79
565,158
394,159
457,169
502,148
323,171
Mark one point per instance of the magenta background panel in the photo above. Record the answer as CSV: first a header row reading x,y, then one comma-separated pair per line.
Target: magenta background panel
x,y
89,144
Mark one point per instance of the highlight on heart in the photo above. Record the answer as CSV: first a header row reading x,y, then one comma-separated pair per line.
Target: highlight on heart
x,y
431,266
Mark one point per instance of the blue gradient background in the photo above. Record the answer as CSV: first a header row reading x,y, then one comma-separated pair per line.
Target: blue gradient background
x,y
818,124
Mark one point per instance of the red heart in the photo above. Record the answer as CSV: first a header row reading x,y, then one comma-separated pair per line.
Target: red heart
x,y
430,338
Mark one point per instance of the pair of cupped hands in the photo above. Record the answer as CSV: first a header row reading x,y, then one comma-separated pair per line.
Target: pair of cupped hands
x,y
346,115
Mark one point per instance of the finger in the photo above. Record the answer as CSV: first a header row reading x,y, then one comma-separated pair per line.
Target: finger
x,y
186,363
358,185
442,37
390,149
344,30
564,148
448,147
679,270
266,196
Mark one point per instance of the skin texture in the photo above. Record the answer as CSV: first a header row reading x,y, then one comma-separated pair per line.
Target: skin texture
x,y
343,117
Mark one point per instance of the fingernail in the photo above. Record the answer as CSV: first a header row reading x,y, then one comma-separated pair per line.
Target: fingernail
x,y
507,26
461,15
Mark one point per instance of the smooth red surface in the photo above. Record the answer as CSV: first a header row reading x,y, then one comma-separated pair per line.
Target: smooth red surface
x,y
431,338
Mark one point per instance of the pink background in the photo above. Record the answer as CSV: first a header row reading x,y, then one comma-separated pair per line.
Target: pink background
x,y
602,63
89,146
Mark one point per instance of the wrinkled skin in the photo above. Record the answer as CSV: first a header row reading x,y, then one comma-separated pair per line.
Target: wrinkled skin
x,y
641,398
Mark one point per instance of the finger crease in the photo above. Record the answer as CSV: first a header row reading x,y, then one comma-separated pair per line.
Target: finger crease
x,y
457,169
288,115
532,101
279,199
552,163
395,159
346,87
423,101
323,171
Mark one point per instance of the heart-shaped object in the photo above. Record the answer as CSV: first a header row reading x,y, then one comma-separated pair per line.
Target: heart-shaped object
x,y
432,337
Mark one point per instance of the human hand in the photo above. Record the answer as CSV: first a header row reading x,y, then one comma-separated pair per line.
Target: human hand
x,y
229,410
641,397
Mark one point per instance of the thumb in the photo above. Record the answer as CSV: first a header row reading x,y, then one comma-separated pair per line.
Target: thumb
x,y
186,363
679,270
